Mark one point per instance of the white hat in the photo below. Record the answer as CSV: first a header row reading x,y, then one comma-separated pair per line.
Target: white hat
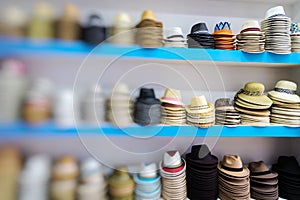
x,y
275,11
285,91
172,159
174,34
148,170
251,24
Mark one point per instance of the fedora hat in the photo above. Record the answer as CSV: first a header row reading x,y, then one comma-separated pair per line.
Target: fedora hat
x,y
285,91
147,96
202,154
275,12
148,170
148,14
251,26
260,170
174,34
233,166
171,159
171,96
199,105
253,92
287,165
122,19
223,28
199,28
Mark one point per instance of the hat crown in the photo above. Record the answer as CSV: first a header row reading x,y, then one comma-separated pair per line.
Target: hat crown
x,y
122,19
148,170
283,84
275,11
171,158
200,27
174,31
258,167
146,93
250,24
200,151
172,93
148,14
254,87
232,161
198,101
71,11
289,163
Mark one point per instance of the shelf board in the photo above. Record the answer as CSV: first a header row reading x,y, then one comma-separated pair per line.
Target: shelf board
x,y
22,130
27,47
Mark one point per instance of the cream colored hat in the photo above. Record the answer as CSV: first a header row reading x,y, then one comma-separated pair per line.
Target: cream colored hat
x,y
275,11
172,96
199,105
233,166
251,24
285,91
122,19
253,92
172,159
148,14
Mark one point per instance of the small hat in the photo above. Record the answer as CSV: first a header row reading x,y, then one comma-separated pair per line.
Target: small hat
x,y
253,92
233,166
275,12
287,164
285,91
251,26
199,28
199,105
260,170
147,96
171,96
148,14
171,159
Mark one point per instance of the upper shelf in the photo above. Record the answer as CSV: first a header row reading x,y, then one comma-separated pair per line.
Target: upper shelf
x,y
26,47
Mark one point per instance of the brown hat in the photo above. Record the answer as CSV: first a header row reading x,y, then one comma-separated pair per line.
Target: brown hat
x,y
233,166
260,170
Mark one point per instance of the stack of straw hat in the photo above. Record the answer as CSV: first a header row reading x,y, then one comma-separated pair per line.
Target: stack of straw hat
x,y
288,170
286,104
263,182
147,108
223,36
119,106
34,179
200,113
174,38
149,31
64,179
148,184
200,37
225,112
92,184
276,27
251,39
234,182
68,27
121,31
10,166
121,185
173,111
253,105
202,174
295,37
172,171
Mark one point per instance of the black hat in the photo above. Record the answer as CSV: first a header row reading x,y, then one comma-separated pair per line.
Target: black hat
x,y
199,28
201,154
147,96
288,165
94,32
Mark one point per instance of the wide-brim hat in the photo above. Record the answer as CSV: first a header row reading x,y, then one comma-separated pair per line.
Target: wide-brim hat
x,y
172,96
285,91
232,165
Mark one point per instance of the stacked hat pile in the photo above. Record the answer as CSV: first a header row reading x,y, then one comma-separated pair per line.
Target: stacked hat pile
x,y
148,184
202,174
286,104
64,179
251,39
263,182
10,166
149,31
92,183
234,180
34,179
173,111
147,108
94,32
172,171
119,106
200,37
253,105
295,37
174,38
225,112
276,27
121,31
288,171
121,185
223,37
200,113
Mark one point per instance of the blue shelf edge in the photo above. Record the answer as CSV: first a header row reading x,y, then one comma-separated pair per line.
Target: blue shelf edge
x,y
22,130
25,46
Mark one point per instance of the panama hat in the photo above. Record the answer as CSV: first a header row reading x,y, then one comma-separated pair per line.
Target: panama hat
x,y
275,12
171,96
233,166
285,91
260,170
199,105
253,92
251,26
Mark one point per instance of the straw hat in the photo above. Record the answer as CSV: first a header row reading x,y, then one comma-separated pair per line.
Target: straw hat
x,y
199,105
251,26
233,166
122,19
253,92
172,96
71,11
148,14
285,91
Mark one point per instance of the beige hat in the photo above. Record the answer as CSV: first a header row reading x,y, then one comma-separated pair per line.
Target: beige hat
x,y
233,166
251,26
172,96
71,11
122,19
253,92
199,105
148,14
285,91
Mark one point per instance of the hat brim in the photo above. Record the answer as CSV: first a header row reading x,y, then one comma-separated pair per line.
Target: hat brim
x,y
289,98
266,176
260,100
250,106
244,173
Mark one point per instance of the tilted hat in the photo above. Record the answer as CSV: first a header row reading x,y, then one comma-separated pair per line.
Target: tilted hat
x,y
275,12
172,96
253,92
233,166
199,105
261,170
285,91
